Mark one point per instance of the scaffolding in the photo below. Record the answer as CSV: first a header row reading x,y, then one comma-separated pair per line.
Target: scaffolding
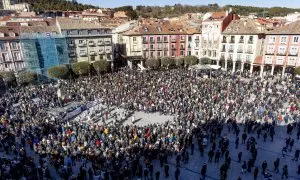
x,y
43,51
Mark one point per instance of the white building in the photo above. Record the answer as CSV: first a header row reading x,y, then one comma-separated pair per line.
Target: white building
x,y
211,33
241,44
292,17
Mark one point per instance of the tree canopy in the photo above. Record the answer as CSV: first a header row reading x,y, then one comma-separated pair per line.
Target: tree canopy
x,y
58,72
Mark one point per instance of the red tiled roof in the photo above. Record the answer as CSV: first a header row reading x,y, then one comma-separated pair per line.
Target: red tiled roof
x,y
217,16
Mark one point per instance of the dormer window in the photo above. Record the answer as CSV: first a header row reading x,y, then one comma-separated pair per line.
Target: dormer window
x,y
11,34
172,30
159,29
145,29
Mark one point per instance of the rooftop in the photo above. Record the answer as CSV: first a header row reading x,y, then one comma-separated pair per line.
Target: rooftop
x,y
69,23
292,28
9,32
244,27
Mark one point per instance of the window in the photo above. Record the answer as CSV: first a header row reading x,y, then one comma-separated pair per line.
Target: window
x,y
293,50
158,39
69,32
248,57
144,39
165,38
283,40
291,61
101,57
151,54
295,39
272,39
214,53
135,48
108,56
14,45
190,38
5,57
151,46
181,53
2,47
204,53
151,39
89,32
239,57
249,48
134,39
60,50
158,54
173,53
270,50
279,61
165,53
281,50
80,32
268,60
197,44
81,42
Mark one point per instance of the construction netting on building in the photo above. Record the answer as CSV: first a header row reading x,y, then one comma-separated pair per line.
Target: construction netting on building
x,y
43,51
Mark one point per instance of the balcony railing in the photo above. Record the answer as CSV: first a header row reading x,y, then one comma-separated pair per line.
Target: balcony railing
x,y
166,40
232,41
224,41
158,48
241,41
239,51
72,54
100,43
269,53
238,59
293,54
159,40
173,47
82,54
82,44
145,41
91,43
145,48
182,40
249,52
222,58
152,41
101,51
182,47
152,49
230,50
173,40
93,53
108,50
223,50
281,54
250,41
107,42
166,48
71,45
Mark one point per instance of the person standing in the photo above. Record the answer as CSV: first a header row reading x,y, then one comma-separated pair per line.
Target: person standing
x,y
157,174
284,172
276,165
237,142
296,155
203,170
167,170
240,156
177,173
244,166
217,156
255,173
264,167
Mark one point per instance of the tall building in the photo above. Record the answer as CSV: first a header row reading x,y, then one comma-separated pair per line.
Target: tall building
x,y
86,41
11,55
211,33
241,44
155,40
43,48
282,49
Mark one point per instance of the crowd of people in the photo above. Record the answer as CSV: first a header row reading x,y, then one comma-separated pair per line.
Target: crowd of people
x,y
202,108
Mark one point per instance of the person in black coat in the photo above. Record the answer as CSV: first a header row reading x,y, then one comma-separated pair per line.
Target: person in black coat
x,y
157,174
203,170
177,173
167,170
297,152
276,165
264,167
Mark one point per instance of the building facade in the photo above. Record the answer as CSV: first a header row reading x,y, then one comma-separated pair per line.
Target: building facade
x,y
211,33
86,41
11,54
281,50
241,44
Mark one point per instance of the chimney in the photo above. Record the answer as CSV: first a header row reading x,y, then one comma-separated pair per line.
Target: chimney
x,y
230,10
226,13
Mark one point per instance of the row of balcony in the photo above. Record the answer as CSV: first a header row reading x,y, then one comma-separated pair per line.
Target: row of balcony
x,y
237,59
281,54
92,53
240,41
160,41
91,44
238,51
